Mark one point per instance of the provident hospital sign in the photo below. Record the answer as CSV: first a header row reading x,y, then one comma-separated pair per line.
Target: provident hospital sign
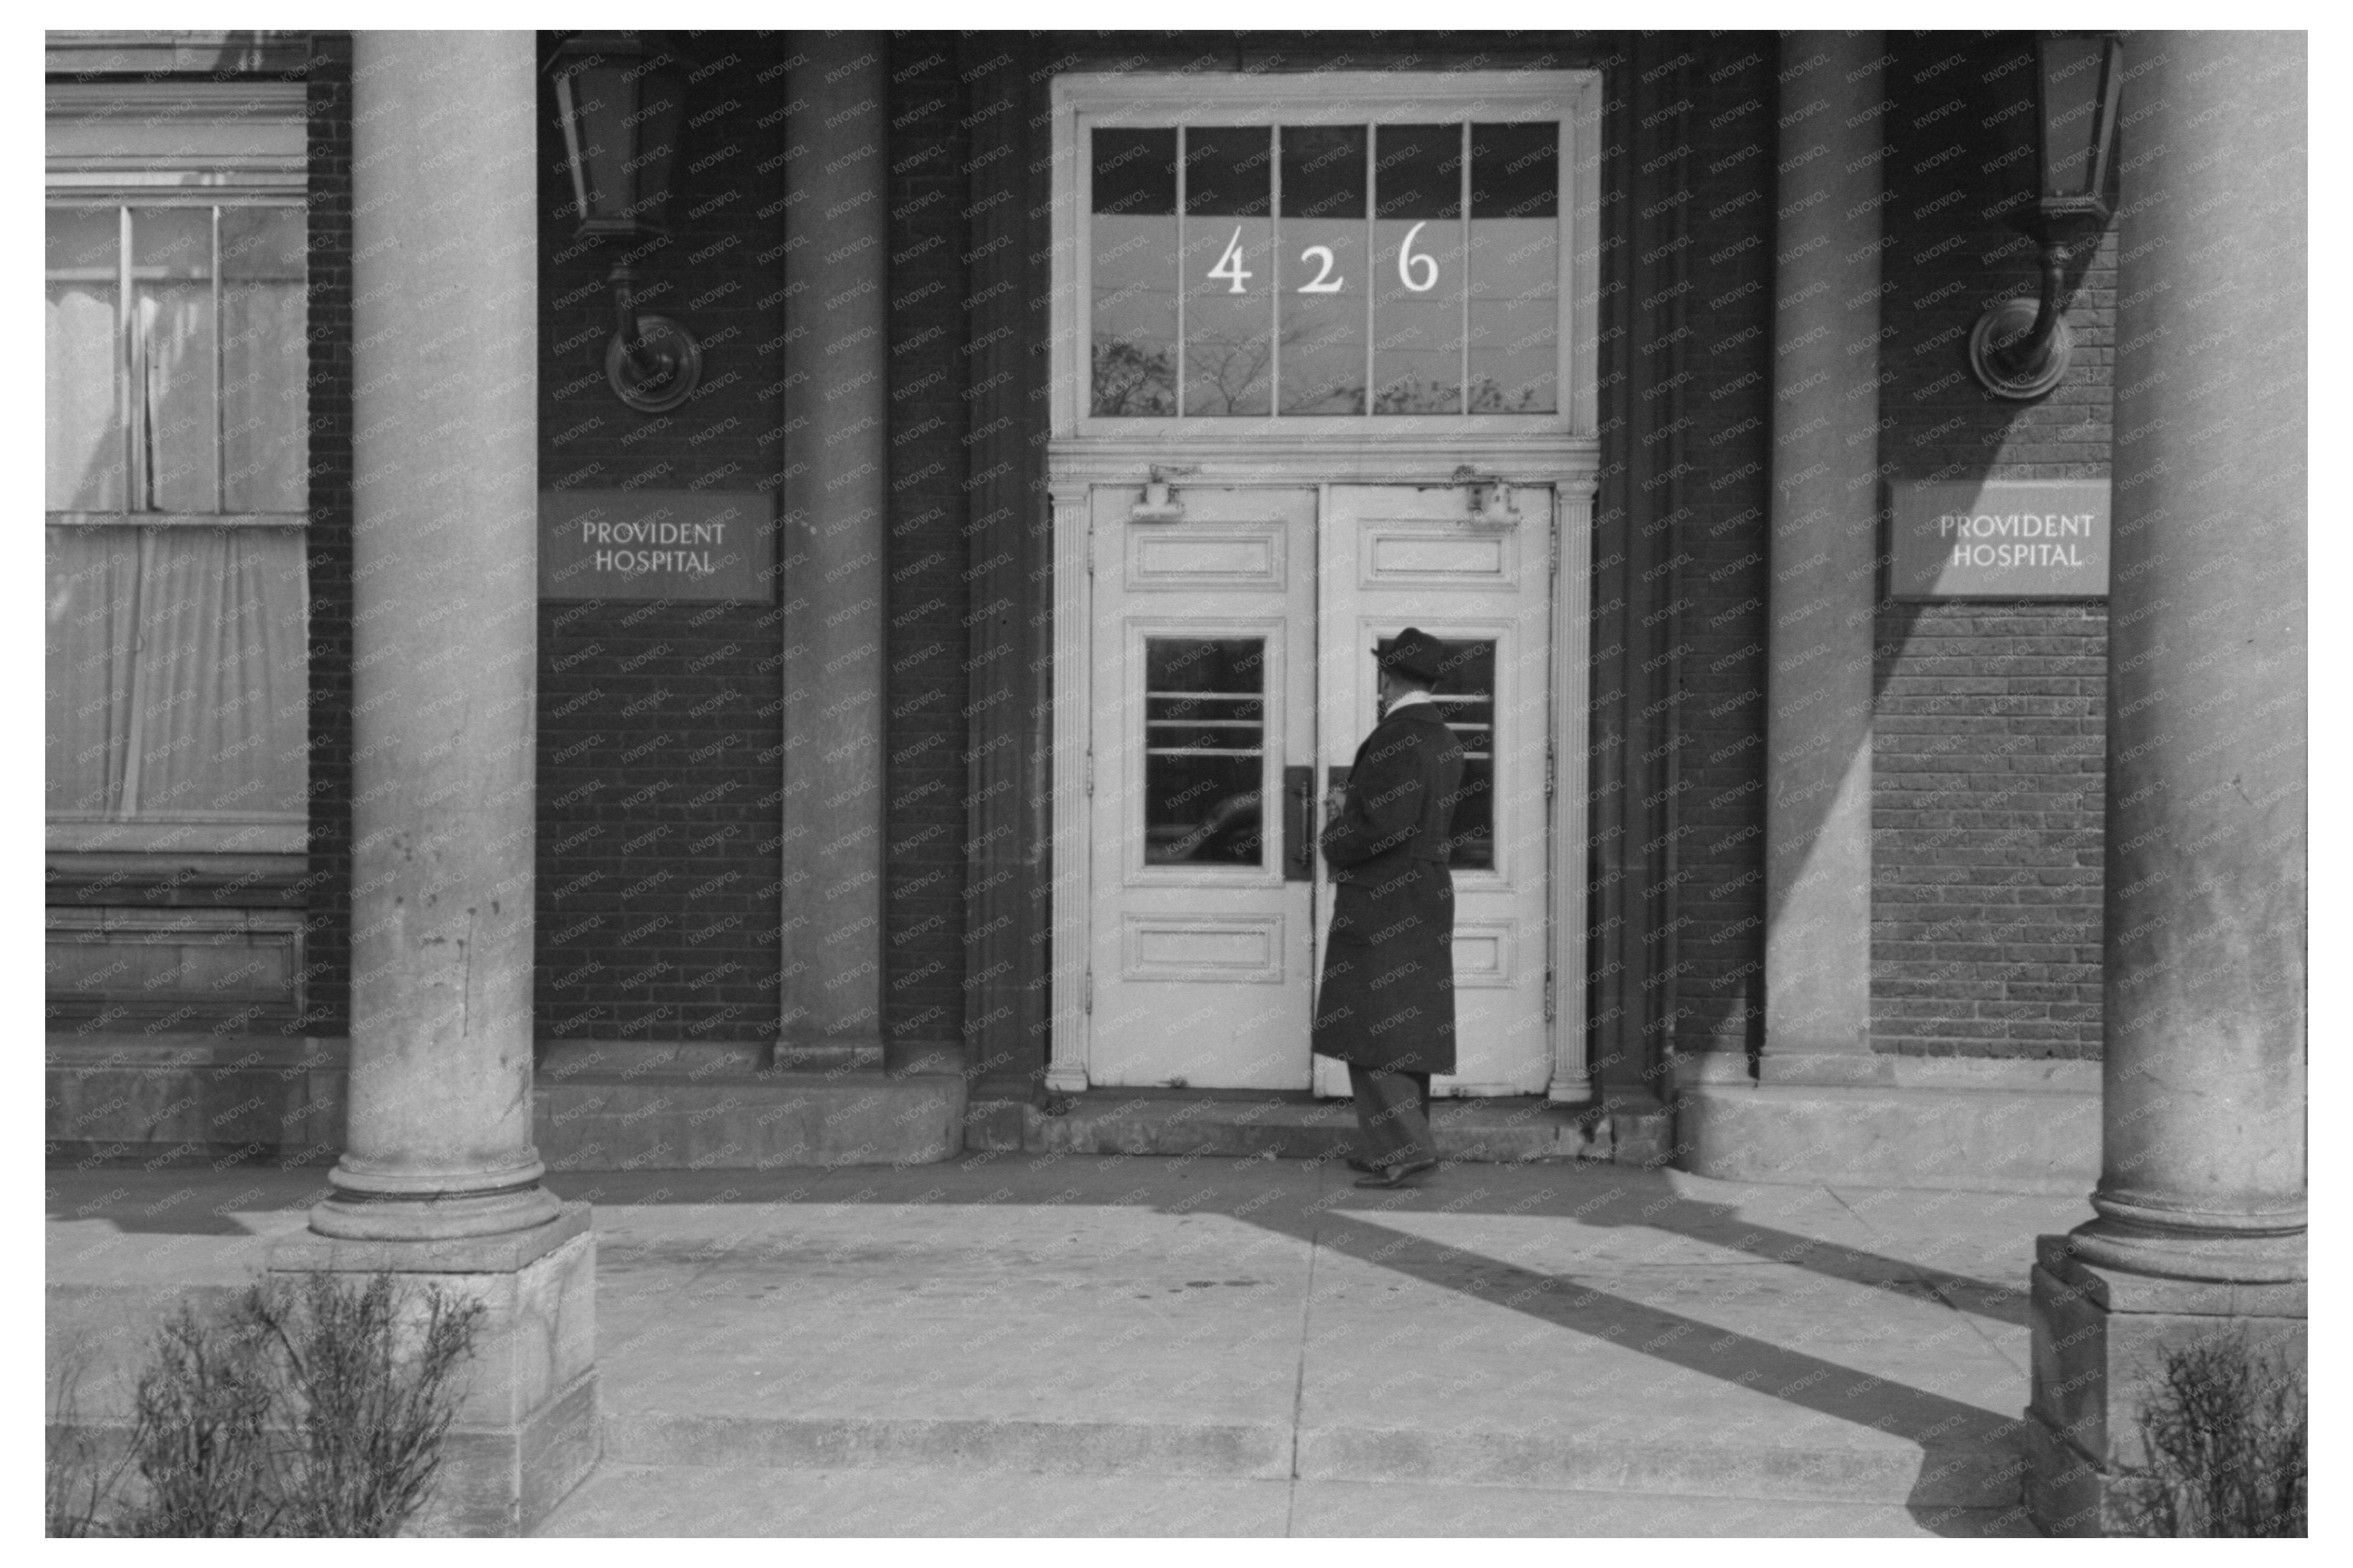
x,y
657,544
2032,538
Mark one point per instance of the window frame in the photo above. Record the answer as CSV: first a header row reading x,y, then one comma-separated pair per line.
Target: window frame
x,y
177,145
1081,101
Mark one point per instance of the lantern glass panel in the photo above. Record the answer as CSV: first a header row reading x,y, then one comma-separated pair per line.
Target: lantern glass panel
x,y
605,101
658,114
2070,114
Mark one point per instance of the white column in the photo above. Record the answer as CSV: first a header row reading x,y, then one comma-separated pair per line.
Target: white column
x,y
445,572
2203,1154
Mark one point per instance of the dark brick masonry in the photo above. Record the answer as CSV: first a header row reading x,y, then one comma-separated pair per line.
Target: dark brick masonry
x,y
1991,734
660,731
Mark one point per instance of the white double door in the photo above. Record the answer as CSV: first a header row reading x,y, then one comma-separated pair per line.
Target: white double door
x,y
1231,677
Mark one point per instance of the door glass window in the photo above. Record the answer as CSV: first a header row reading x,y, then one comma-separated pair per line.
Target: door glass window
x,y
1325,325
1228,244
1135,264
1514,270
1204,750
1465,694
1418,269
1355,269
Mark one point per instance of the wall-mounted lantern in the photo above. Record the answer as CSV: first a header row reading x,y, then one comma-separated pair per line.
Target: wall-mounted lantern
x,y
621,106
2019,348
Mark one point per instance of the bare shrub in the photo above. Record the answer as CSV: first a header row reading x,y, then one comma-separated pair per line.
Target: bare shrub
x,y
201,1436
2225,1432
376,1398
80,1487
303,1408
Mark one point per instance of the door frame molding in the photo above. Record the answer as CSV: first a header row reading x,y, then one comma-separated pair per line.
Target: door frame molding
x,y
1423,450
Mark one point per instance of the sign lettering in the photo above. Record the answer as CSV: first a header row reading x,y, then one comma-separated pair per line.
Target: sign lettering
x,y
2027,538
656,544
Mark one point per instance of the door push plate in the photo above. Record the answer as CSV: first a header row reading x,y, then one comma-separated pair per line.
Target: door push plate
x,y
1299,825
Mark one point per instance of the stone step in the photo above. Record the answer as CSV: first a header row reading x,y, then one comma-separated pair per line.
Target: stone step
x,y
599,1107
1297,1126
626,1499
1982,1474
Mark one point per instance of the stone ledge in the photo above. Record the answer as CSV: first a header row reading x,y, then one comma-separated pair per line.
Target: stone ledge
x,y
735,1120
193,1099
1876,1469
1973,1140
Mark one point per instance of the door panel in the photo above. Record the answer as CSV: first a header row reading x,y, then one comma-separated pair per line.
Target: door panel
x,y
1203,657
1232,674
1398,555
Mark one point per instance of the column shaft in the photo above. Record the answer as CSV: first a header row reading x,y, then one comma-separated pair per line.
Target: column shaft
x,y
837,483
444,319
2203,1157
1825,518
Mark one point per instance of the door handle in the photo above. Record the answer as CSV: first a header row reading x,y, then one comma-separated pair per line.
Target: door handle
x,y
1299,825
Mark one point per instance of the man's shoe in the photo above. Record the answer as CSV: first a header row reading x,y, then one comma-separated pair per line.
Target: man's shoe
x,y
1404,1175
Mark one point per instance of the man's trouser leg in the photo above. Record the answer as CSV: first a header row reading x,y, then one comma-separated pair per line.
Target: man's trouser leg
x,y
1392,1116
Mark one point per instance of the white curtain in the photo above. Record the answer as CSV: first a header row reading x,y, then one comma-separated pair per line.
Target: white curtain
x,y
85,436
178,651
177,673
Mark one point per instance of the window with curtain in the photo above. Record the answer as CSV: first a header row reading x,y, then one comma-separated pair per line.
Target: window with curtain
x,y
178,602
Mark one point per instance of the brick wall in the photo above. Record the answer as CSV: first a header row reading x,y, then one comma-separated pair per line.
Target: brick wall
x,y
660,740
327,886
927,678
1989,741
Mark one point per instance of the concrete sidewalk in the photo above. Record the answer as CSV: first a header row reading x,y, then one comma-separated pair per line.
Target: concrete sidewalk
x,y
1083,1345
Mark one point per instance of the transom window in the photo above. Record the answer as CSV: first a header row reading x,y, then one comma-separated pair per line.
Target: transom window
x,y
1348,253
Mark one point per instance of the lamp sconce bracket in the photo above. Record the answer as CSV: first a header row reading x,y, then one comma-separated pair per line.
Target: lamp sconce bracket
x,y
663,371
2004,325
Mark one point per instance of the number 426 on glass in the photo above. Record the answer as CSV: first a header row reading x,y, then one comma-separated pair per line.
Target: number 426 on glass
x,y
1418,273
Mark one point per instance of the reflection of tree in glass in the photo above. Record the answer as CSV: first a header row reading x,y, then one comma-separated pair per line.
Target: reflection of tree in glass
x,y
1408,395
1487,398
1131,381
1234,371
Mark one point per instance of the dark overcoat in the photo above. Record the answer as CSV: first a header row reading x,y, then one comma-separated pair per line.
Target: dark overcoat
x,y
1387,996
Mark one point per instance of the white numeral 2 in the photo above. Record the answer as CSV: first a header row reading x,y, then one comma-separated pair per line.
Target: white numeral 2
x,y
1229,265
1323,282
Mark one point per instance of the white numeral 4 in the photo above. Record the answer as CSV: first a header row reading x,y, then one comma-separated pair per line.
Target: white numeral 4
x,y
1229,265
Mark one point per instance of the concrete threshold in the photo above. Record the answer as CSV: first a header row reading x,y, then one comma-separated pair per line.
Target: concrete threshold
x,y
1246,1125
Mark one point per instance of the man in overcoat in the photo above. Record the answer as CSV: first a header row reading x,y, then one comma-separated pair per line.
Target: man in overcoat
x,y
1386,1004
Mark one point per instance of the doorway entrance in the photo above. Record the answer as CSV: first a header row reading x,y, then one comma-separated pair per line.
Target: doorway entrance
x,y
1232,647
1324,369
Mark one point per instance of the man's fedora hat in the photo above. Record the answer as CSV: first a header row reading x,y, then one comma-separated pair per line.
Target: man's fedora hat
x,y
1413,652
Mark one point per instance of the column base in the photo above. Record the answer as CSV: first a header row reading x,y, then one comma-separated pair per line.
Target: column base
x,y
527,1432
2098,1332
348,1215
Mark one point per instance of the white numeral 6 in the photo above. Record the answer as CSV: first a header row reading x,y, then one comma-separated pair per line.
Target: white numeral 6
x,y
1407,260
